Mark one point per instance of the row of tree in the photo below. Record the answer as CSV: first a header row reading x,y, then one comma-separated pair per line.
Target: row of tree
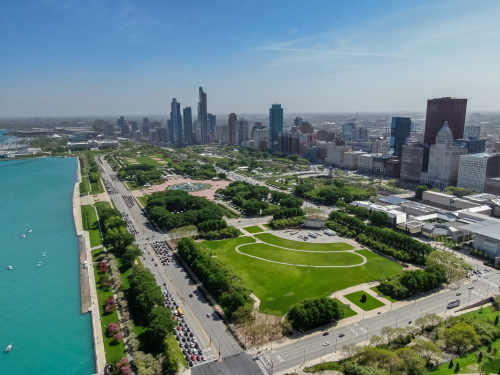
x,y
286,223
329,195
314,312
220,281
285,200
194,170
141,174
416,251
288,213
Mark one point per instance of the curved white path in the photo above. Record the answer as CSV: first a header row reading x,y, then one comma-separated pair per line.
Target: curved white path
x,y
304,251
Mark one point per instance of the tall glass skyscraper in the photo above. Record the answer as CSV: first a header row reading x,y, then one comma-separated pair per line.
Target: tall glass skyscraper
x,y
202,117
176,123
188,125
275,123
400,130
440,110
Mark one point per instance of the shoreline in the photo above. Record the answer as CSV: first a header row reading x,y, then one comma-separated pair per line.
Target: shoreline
x,y
87,282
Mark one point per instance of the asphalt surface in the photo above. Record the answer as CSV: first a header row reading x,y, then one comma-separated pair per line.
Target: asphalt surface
x,y
210,332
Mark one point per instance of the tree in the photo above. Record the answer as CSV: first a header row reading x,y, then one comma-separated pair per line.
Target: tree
x,y
222,176
454,267
379,218
388,332
118,337
496,320
130,255
314,312
457,368
451,364
113,328
420,190
349,350
427,349
376,340
461,336
160,325
103,267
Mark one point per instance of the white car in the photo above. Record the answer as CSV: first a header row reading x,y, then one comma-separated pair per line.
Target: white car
x,y
208,315
471,287
326,343
203,358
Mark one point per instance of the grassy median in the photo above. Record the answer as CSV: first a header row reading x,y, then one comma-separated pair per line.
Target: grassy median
x,y
371,303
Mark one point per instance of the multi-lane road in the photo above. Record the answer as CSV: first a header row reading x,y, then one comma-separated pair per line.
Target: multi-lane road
x,y
214,337
210,332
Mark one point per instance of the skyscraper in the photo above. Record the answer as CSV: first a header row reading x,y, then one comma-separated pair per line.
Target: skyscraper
x,y
134,126
121,121
297,121
231,123
212,121
176,123
188,125
275,123
202,117
242,134
348,131
440,110
400,130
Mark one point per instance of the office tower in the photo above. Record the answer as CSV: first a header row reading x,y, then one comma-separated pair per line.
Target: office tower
x,y
325,136
222,133
258,135
202,118
145,129
474,145
242,132
154,125
348,131
145,121
161,135
212,121
363,134
125,129
297,121
275,123
475,169
134,126
444,160
473,131
121,121
414,160
100,126
188,125
447,109
231,123
170,131
109,129
306,128
400,130
176,136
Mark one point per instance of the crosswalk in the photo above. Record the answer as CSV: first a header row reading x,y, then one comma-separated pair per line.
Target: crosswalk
x,y
262,367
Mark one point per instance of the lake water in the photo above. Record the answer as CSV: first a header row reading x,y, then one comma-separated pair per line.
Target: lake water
x,y
4,137
40,310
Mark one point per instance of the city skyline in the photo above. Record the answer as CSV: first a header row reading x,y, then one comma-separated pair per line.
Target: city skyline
x,y
70,58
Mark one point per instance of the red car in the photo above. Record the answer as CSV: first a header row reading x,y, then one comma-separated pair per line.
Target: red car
x,y
198,358
178,328
192,358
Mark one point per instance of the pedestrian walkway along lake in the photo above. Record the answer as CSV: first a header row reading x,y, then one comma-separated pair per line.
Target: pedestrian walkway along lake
x,y
40,310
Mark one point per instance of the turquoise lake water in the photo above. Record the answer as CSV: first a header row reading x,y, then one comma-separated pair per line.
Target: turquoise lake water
x,y
4,137
40,311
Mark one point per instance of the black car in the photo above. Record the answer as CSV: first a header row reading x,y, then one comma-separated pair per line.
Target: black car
x,y
190,295
190,363
326,333
152,259
341,335
164,284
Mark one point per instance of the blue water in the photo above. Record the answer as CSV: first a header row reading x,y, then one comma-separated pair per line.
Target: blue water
x,y
4,137
40,310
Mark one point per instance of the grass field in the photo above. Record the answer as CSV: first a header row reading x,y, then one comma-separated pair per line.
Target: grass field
x,y
143,200
90,224
254,229
267,226
85,185
114,351
148,160
278,254
297,245
375,289
280,286
348,312
370,304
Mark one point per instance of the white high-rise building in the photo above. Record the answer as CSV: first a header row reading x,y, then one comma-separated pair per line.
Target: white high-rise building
x,y
242,131
474,169
444,159
258,135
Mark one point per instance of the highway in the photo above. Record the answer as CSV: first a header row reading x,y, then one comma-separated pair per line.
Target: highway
x,y
210,332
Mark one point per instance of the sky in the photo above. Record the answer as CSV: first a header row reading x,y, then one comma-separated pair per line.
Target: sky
x,y
107,57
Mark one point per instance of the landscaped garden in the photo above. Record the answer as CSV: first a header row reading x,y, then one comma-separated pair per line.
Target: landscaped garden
x,y
280,286
364,301
90,224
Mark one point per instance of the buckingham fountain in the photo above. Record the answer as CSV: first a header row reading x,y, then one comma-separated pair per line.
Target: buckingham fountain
x,y
189,187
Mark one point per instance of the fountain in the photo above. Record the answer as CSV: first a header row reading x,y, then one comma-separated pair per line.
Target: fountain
x,y
189,187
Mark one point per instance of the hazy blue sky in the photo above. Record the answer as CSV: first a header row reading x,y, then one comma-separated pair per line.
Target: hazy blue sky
x,y
86,57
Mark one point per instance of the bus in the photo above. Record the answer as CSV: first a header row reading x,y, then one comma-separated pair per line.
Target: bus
x,y
313,235
181,314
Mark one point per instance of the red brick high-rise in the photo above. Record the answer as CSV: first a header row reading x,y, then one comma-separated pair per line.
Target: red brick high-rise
x,y
441,110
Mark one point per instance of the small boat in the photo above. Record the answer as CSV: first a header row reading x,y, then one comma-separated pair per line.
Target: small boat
x,y
10,267
8,348
38,265
40,262
23,236
31,230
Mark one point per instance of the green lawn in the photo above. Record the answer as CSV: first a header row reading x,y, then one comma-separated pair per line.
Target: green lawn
x,y
254,229
114,351
85,185
91,225
485,313
370,304
280,286
297,245
348,312
375,289
148,160
143,200
267,226
278,254
97,187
